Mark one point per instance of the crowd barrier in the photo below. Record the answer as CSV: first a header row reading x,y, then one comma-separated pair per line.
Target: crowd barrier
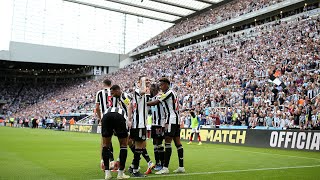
x,y
284,139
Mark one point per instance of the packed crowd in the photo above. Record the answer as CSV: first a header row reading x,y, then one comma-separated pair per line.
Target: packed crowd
x,y
44,100
228,80
239,72
211,17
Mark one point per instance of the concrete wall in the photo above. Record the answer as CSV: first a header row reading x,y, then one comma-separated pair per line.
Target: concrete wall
x,y
113,69
26,52
126,61
4,55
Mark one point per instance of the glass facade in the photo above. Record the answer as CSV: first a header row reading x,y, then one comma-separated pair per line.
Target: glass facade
x,y
66,24
87,24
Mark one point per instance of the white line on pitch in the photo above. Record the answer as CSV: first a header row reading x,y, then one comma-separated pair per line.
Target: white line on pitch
x,y
228,171
232,171
301,157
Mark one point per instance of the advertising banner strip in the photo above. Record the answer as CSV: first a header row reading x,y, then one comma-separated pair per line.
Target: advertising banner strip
x,y
285,139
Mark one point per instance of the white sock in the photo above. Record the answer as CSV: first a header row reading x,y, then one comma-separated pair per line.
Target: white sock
x,y
135,170
120,173
108,172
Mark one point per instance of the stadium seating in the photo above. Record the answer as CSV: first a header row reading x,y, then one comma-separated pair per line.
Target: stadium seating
x,y
211,17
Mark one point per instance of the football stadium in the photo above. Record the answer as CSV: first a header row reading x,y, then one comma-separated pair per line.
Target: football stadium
x,y
159,89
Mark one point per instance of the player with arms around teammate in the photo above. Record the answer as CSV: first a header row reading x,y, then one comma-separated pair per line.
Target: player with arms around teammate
x,y
117,119
103,103
157,128
172,125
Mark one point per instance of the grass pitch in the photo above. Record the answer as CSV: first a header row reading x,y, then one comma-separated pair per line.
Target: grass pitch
x,y
46,154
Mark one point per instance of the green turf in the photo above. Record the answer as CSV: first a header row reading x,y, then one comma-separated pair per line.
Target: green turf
x,y
48,154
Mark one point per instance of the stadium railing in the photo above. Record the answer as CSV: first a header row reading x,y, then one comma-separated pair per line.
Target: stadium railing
x,y
85,120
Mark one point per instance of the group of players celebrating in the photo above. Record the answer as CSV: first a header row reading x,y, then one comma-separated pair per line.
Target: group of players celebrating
x,y
126,117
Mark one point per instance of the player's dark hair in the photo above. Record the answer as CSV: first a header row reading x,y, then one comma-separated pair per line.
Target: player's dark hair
x,y
107,82
165,80
115,87
193,114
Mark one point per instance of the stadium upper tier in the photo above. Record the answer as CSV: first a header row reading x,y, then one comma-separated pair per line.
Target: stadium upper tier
x,y
217,15
273,69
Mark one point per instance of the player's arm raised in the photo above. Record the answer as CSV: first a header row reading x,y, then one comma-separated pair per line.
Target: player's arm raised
x,y
143,87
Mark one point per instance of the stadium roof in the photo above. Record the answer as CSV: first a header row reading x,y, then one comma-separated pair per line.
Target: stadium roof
x,y
163,10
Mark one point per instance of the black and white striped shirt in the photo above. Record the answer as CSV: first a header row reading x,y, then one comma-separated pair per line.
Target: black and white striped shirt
x,y
171,105
105,100
140,113
118,110
158,113
121,104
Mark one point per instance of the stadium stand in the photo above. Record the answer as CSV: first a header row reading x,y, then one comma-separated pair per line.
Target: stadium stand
x,y
239,78
211,17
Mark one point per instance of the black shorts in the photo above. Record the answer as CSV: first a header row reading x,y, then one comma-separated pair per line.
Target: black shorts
x,y
173,130
157,132
114,122
139,134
